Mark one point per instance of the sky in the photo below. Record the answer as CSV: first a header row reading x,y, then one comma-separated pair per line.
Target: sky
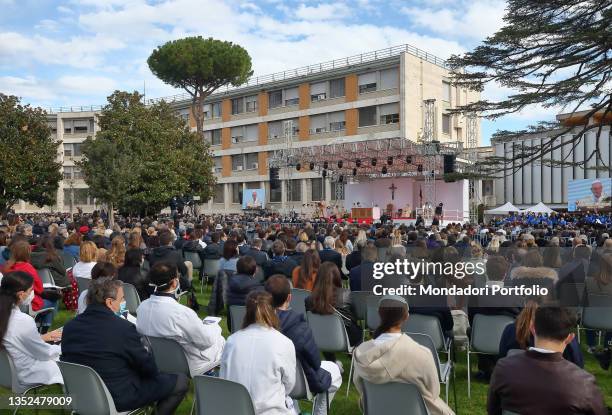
x,y
72,53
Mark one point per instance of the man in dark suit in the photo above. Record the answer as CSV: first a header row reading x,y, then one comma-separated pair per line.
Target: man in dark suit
x,y
354,258
361,277
110,345
256,253
280,263
213,249
168,253
329,254
540,380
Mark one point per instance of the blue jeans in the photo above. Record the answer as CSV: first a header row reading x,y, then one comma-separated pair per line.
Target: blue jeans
x,y
47,319
591,340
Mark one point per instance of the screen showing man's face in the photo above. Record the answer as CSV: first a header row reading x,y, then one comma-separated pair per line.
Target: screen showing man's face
x,y
254,195
597,188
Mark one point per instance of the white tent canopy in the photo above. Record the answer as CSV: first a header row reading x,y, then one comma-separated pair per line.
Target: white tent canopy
x,y
503,209
539,208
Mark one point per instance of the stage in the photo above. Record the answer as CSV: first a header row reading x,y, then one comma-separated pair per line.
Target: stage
x,y
406,194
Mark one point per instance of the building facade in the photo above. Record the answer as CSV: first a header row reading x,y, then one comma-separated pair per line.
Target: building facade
x,y
375,95
547,180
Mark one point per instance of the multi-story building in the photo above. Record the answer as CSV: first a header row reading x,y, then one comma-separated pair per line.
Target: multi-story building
x,y
374,95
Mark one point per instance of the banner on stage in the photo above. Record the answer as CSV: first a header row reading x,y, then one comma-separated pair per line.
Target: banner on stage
x,y
254,199
589,194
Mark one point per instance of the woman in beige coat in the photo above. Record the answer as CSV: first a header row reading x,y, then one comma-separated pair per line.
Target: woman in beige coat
x,y
394,357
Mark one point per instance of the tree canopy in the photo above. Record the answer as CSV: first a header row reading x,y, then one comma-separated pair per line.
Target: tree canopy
x,y
200,66
555,53
28,155
143,156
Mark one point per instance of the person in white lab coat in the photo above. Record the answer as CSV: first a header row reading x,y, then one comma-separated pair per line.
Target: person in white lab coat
x,y
162,316
34,360
261,358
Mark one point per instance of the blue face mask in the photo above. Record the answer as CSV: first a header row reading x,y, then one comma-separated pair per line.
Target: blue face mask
x,y
122,309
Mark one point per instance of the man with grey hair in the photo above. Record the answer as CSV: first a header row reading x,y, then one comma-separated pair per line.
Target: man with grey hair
x,y
280,263
256,253
329,254
111,346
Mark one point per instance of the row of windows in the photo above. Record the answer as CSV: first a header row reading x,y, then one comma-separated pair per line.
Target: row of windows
x,y
293,190
72,172
320,123
77,197
319,91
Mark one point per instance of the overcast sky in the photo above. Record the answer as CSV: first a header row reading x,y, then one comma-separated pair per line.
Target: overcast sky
x,y
72,53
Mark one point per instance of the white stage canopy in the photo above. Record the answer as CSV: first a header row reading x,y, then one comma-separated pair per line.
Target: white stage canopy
x,y
539,208
503,209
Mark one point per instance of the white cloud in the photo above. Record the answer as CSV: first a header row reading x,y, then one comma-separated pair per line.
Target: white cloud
x,y
91,84
47,25
475,19
333,11
80,52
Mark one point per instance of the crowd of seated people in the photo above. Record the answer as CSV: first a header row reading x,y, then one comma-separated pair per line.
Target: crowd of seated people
x,y
262,261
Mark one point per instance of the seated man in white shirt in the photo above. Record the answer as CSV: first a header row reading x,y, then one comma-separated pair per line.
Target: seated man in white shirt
x,y
163,316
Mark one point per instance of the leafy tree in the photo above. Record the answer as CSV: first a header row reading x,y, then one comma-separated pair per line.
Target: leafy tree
x,y
143,156
28,155
200,66
551,53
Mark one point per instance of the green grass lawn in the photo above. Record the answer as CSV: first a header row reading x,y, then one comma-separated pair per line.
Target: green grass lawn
x,y
343,405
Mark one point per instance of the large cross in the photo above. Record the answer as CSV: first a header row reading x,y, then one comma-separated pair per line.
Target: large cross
x,y
393,188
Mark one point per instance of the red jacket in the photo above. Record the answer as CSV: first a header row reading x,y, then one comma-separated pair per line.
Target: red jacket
x,y
26,267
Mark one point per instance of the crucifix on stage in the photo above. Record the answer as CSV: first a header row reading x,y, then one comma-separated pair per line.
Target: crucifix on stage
x,y
393,188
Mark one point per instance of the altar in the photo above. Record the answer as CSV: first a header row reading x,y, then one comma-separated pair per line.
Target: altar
x,y
365,213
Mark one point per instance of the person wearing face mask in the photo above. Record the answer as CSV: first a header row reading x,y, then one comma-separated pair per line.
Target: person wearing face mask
x,y
163,316
114,349
33,358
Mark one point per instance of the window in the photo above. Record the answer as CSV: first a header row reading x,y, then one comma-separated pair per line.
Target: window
x,y
236,192
68,172
251,132
81,197
252,161
80,126
185,116
68,197
53,126
334,189
207,111
216,109
294,190
389,78
251,103
237,106
367,116
446,91
237,134
67,126
67,150
445,123
336,88
275,99
336,121
218,164
318,123
218,196
367,82
213,136
238,162
317,189
77,173
291,96
276,129
276,194
389,113
318,91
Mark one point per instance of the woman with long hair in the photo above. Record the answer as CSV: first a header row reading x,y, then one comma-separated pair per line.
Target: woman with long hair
x,y
517,335
20,261
305,275
261,358
230,256
131,273
44,255
346,240
392,356
33,358
328,297
116,254
72,243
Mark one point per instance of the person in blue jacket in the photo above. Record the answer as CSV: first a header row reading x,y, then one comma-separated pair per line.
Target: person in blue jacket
x,y
518,335
321,376
110,345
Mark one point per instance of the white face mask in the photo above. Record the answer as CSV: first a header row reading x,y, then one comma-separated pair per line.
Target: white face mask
x,y
28,299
